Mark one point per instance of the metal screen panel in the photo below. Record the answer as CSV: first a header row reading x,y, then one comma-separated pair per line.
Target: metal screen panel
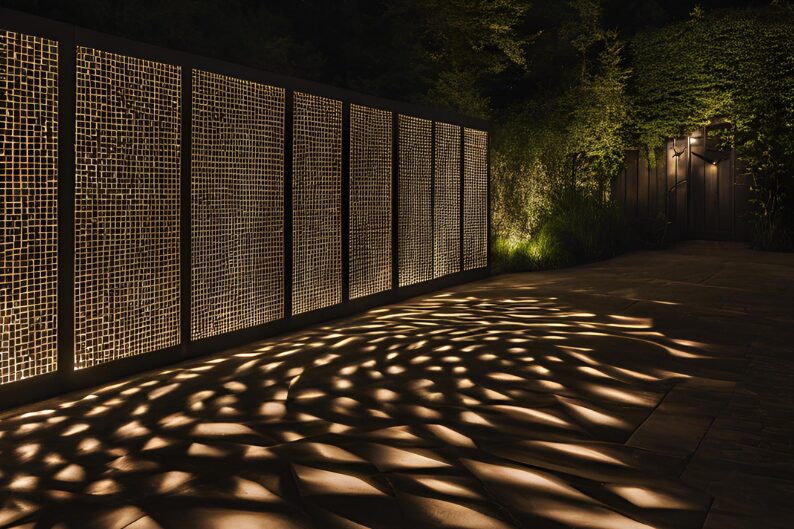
x,y
475,199
370,200
127,206
415,245
446,206
237,208
317,203
29,201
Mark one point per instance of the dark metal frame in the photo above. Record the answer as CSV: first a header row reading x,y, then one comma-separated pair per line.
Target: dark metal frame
x,y
69,37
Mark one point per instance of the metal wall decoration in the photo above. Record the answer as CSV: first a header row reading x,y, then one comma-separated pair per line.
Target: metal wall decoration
x,y
475,199
446,200
158,205
370,201
29,202
237,202
317,203
127,200
415,246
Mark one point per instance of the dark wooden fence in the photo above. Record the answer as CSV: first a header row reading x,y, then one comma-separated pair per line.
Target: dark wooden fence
x,y
692,184
159,205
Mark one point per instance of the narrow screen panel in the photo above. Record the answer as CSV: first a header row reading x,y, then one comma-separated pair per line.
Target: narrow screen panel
x,y
475,199
237,207
446,203
415,211
317,203
370,200
29,202
127,207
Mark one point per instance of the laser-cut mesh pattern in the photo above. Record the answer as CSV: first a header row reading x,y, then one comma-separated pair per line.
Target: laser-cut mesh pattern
x,y
237,187
317,203
415,230
475,199
29,203
370,200
127,146
446,207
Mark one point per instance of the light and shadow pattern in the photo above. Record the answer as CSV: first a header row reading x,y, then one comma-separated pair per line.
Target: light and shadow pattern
x,y
370,200
127,206
504,403
475,198
415,183
317,203
446,200
29,202
237,206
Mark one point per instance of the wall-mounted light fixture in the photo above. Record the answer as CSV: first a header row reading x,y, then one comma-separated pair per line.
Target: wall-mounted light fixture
x,y
676,152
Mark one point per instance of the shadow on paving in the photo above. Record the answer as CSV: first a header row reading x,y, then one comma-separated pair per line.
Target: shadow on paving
x,y
611,396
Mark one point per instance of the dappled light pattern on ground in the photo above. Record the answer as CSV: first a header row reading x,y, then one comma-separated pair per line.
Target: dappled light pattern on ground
x,y
553,400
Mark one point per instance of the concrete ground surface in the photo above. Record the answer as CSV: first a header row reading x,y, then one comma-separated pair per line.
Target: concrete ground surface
x,y
651,390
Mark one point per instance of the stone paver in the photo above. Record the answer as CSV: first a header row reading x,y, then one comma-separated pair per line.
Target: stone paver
x,y
652,390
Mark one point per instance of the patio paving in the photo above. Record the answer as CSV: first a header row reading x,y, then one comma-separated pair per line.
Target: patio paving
x,y
651,390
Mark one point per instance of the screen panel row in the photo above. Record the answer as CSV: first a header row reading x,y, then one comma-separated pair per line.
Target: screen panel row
x,y
128,135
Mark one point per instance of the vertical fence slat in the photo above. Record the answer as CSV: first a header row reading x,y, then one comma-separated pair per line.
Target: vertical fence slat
x,y
395,201
345,201
289,112
488,207
433,178
185,208
66,169
462,196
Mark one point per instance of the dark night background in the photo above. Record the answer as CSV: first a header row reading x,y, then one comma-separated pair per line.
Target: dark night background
x,y
569,87
386,47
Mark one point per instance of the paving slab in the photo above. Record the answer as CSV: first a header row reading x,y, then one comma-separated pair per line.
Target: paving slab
x,y
650,390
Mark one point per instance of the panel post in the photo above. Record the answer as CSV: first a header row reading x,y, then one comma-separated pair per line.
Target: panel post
x,y
66,181
185,247
288,127
488,234
462,195
395,201
433,196
345,202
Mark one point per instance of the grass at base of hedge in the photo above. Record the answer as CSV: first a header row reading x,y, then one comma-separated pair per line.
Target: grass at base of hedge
x,y
579,229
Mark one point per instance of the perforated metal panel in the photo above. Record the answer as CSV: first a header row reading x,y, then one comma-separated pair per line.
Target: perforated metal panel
x,y
316,203
415,230
127,146
446,206
370,200
475,199
29,202
237,209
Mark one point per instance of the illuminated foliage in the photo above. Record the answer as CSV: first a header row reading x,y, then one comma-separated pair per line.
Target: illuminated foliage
x,y
735,65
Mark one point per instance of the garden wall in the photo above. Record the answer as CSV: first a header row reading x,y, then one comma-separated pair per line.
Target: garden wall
x,y
692,184
158,205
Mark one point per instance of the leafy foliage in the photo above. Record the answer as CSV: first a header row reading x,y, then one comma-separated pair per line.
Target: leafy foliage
x,y
564,148
568,85
736,65
579,228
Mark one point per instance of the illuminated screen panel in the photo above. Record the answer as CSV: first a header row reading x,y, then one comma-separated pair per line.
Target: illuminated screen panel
x,y
237,207
316,203
415,207
446,206
475,199
370,200
29,201
127,194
